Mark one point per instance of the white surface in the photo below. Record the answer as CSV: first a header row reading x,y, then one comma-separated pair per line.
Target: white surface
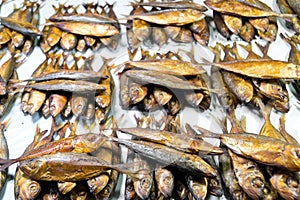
x,y
21,128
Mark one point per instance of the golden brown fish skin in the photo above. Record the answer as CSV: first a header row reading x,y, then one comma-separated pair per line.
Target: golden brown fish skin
x,y
35,101
68,41
188,162
286,185
89,29
249,176
65,187
137,92
124,91
270,34
175,4
141,29
169,66
54,35
57,104
262,68
243,143
17,39
5,35
220,25
98,183
197,186
177,141
165,181
46,167
67,85
25,188
170,16
241,9
226,98
233,23
241,87
25,28
271,89
162,95
185,35
6,71
84,143
260,24
149,103
202,37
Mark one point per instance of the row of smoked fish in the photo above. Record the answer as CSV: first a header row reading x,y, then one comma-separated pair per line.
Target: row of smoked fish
x,y
168,161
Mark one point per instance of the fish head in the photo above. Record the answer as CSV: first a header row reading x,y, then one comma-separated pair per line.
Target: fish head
x,y
198,187
29,189
165,181
286,185
98,183
32,167
143,183
106,192
293,152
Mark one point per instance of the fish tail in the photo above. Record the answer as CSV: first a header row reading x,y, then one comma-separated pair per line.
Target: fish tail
x,y
206,133
5,163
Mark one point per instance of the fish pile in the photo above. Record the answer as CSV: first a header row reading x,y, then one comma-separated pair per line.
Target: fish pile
x,y
294,57
240,85
84,166
157,22
258,166
175,164
290,7
57,88
163,81
68,29
19,30
245,18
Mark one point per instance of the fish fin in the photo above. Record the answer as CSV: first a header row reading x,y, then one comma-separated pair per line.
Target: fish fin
x,y
5,163
206,133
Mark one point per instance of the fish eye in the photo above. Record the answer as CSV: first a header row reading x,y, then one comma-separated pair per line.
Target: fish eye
x,y
292,182
297,153
145,183
34,189
167,180
258,182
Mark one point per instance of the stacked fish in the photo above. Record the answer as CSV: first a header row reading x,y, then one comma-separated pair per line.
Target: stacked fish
x,y
290,7
68,29
294,57
174,164
56,88
19,29
82,166
245,18
180,21
163,80
240,87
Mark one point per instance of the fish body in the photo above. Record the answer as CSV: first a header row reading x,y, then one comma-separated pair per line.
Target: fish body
x,y
170,16
165,155
66,167
89,29
177,141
